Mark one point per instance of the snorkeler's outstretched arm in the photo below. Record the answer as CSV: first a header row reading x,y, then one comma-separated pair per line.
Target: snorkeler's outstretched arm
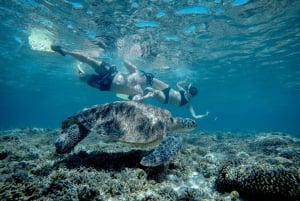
x,y
192,111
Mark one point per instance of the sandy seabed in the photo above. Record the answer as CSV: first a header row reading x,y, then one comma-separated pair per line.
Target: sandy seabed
x,y
211,166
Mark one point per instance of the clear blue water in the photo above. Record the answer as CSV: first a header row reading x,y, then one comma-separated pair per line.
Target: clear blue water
x,y
244,56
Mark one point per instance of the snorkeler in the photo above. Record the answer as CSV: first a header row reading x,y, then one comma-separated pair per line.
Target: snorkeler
x,y
165,94
108,78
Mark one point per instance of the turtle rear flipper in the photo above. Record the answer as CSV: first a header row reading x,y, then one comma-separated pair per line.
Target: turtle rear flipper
x,y
168,148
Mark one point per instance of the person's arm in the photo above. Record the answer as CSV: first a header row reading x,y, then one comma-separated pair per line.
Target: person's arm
x,y
180,85
158,84
130,67
148,92
192,111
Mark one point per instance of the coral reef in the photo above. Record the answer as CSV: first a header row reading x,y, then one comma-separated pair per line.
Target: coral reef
x,y
98,170
259,181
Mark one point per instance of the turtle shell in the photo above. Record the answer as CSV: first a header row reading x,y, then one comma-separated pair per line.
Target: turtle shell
x,y
127,121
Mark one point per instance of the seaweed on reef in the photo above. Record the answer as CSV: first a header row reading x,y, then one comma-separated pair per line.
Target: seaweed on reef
x,y
156,173
91,184
3,154
19,186
86,193
114,172
268,144
113,161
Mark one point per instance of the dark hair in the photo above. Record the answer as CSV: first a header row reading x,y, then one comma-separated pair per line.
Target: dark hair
x,y
149,77
193,91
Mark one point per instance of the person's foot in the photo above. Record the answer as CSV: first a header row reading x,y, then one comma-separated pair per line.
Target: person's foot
x,y
137,97
57,48
80,71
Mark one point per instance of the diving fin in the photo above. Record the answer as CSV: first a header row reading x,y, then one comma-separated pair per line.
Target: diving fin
x,y
123,96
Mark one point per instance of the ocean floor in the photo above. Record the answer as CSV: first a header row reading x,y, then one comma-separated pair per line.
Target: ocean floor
x,y
211,166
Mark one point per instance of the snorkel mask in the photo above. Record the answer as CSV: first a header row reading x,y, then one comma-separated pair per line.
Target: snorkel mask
x,y
149,77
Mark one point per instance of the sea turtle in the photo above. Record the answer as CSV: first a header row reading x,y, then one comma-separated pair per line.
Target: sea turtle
x,y
130,122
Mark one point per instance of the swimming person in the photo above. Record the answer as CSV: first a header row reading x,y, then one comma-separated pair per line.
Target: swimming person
x,y
165,94
108,78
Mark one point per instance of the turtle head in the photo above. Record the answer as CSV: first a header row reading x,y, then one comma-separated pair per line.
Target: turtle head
x,y
182,124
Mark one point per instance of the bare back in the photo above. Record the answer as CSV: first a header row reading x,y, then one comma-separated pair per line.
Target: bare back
x,y
174,97
126,84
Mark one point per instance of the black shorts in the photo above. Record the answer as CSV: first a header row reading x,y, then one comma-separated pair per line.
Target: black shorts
x,y
103,82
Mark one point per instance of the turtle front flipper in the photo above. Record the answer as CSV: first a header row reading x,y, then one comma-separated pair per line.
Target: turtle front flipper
x,y
168,148
70,136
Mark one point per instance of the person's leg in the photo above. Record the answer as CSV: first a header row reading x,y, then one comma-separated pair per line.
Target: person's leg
x,y
158,84
81,74
98,66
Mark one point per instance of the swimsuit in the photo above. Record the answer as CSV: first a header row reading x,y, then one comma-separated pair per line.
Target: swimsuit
x,y
166,92
103,82
183,100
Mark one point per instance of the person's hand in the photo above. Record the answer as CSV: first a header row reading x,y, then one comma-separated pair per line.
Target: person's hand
x,y
137,97
186,80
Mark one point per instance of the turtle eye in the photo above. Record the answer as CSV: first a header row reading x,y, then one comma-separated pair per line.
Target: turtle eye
x,y
193,123
190,123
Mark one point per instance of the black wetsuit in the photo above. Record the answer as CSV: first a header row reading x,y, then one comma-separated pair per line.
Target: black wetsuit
x,y
103,82
166,92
